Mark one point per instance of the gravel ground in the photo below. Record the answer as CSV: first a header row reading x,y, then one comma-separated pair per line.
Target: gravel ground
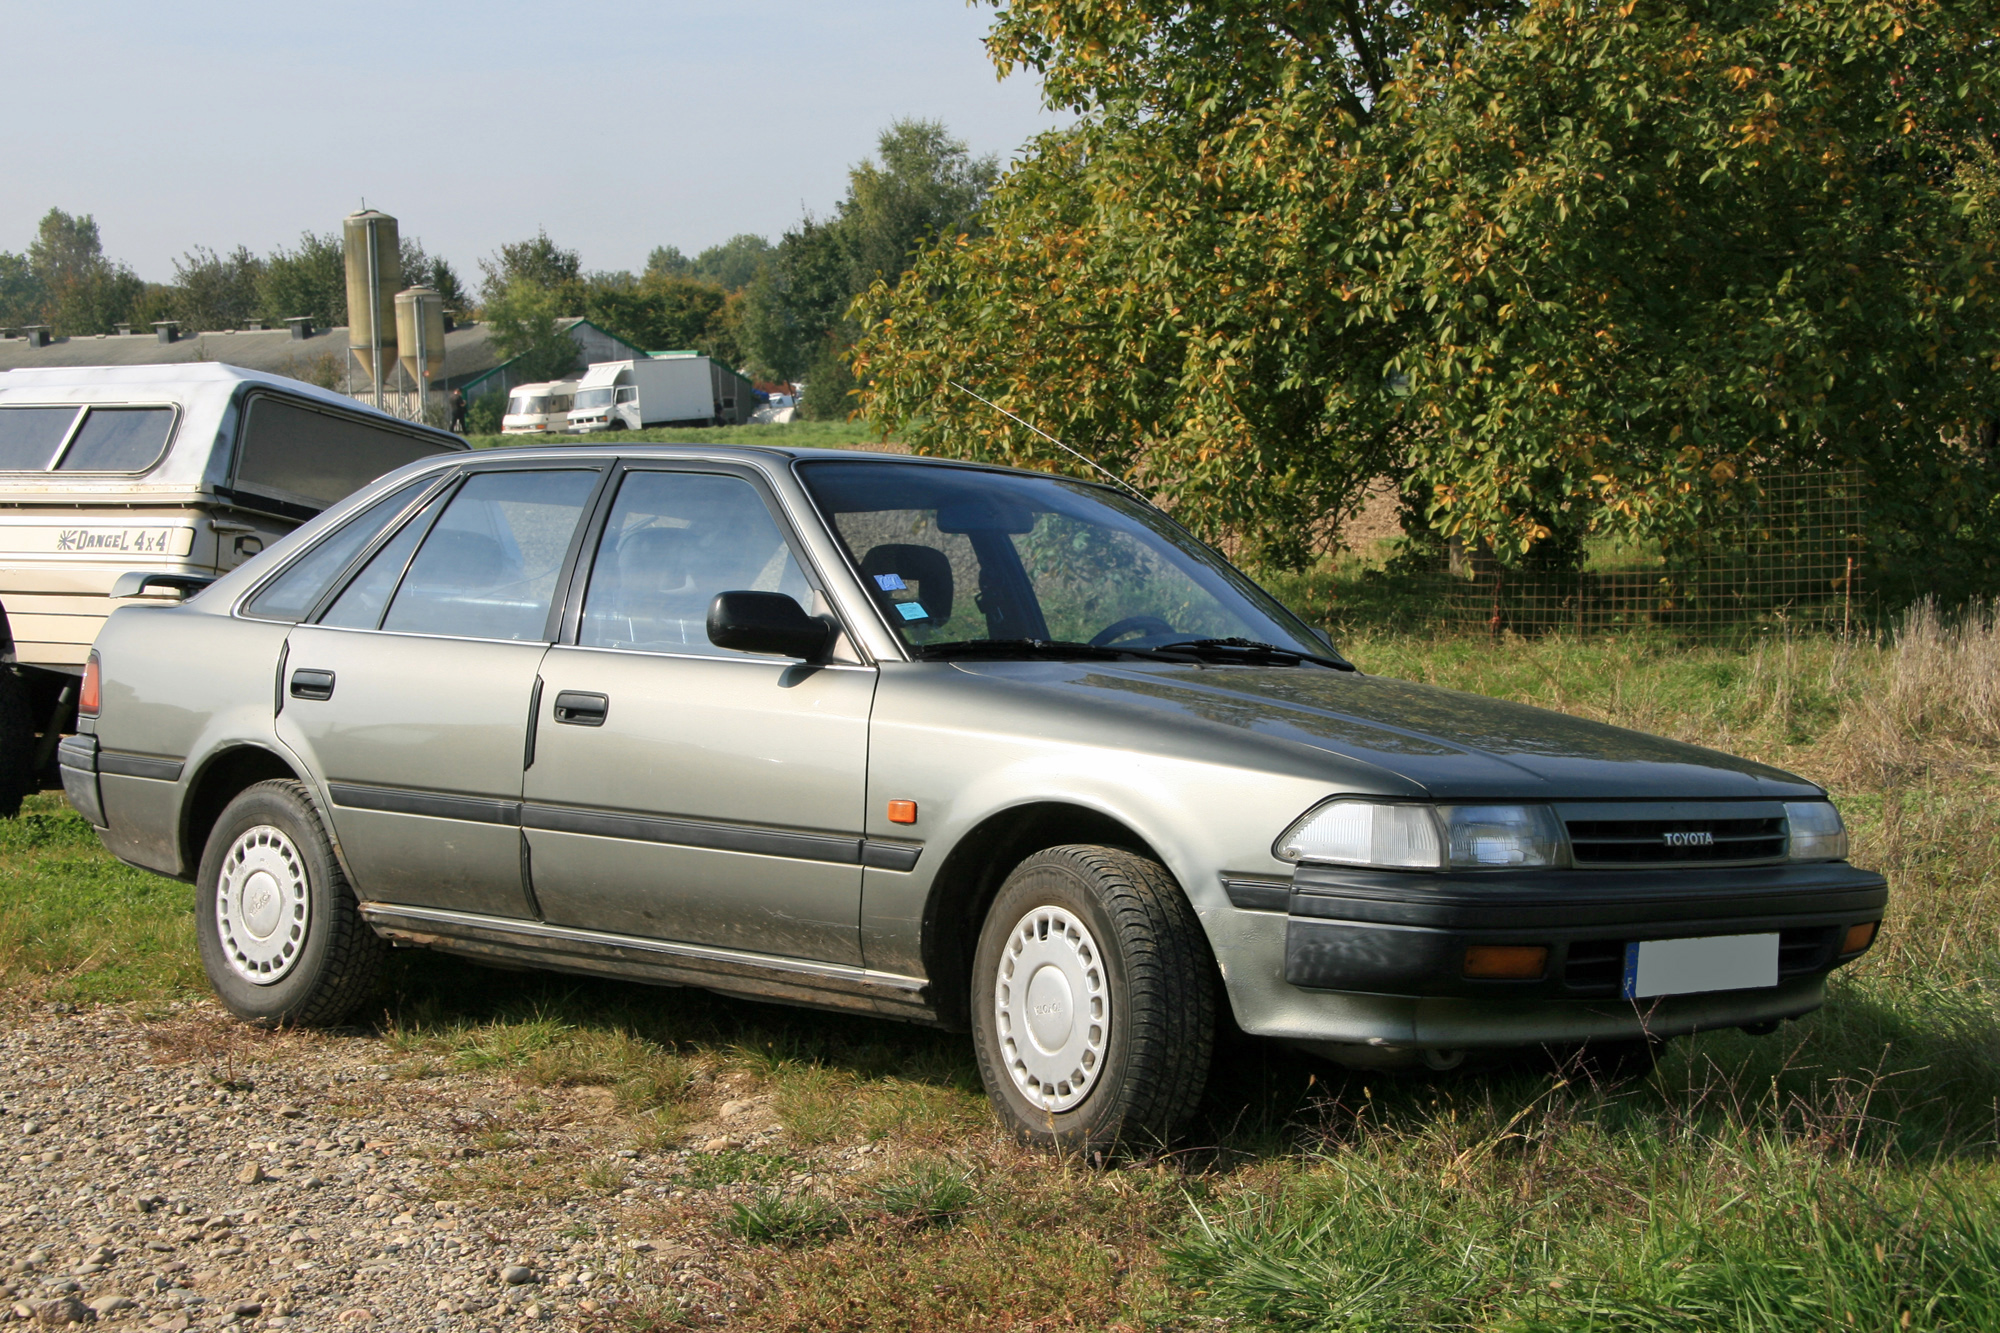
x,y
185,1171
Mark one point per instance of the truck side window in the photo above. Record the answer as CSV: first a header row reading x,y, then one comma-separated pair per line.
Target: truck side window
x,y
292,452
119,439
295,591
29,436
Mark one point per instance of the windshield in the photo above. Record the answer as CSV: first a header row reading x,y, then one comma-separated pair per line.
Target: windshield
x,y
958,555
594,398
527,407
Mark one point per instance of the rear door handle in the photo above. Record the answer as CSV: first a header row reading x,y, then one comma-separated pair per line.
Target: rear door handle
x,y
310,684
580,709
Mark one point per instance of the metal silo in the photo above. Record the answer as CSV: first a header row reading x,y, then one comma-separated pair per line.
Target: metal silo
x,y
374,273
420,340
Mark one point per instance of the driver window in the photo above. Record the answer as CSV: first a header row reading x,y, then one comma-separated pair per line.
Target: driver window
x,y
673,541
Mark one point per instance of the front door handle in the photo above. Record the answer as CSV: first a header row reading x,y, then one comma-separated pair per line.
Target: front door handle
x,y
310,684
579,709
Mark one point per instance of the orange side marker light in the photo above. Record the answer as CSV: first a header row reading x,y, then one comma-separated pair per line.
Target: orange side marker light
x,y
1859,937
1506,962
902,812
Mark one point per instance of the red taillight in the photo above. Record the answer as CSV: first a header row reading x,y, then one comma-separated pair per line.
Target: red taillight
x,y
86,699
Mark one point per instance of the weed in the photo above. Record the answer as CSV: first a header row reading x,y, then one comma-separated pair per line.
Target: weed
x,y
927,1193
733,1166
773,1218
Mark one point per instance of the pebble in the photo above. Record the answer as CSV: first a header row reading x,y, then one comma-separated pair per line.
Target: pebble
x,y
129,1205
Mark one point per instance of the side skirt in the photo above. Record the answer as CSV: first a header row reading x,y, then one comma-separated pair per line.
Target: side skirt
x,y
659,962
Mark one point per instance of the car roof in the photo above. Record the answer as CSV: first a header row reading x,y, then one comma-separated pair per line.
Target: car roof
x,y
745,452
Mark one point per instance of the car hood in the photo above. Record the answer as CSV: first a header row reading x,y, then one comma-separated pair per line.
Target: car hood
x,y
1451,744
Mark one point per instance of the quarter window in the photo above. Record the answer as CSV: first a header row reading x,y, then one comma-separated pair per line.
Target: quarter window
x,y
672,542
488,569
293,592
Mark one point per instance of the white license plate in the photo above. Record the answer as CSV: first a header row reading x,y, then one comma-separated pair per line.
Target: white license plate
x,y
1689,967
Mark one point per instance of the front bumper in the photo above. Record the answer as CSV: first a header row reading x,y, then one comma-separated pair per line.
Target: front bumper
x,y
1402,934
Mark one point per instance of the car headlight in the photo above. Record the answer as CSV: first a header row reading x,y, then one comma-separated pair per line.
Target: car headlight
x,y
1425,837
1816,831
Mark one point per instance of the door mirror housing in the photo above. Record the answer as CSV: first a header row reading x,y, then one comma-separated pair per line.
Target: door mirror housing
x,y
766,622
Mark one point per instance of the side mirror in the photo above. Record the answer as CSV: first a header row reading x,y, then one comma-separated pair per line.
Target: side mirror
x,y
766,622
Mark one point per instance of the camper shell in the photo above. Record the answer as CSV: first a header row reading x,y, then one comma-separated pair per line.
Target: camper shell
x,y
124,484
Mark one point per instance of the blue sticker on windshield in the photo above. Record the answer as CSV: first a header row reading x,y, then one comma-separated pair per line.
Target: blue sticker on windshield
x,y
913,611
890,582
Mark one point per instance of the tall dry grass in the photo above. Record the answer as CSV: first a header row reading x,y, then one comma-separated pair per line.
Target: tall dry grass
x,y
1934,703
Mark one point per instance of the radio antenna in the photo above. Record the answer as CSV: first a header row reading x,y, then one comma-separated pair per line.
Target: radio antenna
x,y
1085,458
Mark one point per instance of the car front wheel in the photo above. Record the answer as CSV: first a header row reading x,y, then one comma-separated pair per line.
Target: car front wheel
x,y
281,936
1093,1001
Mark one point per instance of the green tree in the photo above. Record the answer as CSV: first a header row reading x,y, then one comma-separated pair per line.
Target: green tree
x,y
1566,266
669,262
922,186
527,320
310,280
421,269
539,261
217,291
21,292
83,292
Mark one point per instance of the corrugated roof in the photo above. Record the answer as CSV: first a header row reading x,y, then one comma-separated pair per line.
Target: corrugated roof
x,y
468,352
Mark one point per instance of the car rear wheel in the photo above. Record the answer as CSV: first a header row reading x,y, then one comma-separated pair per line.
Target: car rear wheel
x,y
280,933
1093,1001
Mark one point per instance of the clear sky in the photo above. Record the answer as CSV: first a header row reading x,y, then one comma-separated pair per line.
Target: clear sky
x,y
617,125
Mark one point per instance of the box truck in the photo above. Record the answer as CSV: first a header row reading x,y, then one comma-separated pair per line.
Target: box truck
x,y
668,389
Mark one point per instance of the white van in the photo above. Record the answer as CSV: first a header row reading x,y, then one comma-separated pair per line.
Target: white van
x,y
123,484
533,409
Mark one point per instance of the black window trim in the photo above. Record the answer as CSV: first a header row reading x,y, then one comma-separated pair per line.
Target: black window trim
x,y
270,501
83,410
578,583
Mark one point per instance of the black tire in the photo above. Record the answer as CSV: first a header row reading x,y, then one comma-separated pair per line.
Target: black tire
x,y
18,778
1152,1059
321,957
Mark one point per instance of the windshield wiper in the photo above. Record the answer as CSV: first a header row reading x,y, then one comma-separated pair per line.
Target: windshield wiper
x,y
1249,652
1057,649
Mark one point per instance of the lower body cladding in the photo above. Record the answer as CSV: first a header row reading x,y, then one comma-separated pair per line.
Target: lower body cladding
x,y
1346,957
536,944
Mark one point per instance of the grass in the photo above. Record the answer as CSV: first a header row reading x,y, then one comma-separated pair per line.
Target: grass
x,y
1840,1174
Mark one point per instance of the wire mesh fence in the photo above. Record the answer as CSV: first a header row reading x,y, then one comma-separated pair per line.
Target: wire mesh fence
x,y
1789,556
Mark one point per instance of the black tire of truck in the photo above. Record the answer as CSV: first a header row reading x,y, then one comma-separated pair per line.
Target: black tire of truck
x,y
1142,953
279,931
18,778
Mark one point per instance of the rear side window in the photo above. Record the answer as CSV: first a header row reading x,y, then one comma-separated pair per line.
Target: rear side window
x,y
488,568
295,591
299,454
119,439
29,436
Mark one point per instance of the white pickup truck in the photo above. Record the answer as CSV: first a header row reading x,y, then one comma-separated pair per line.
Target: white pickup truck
x,y
126,484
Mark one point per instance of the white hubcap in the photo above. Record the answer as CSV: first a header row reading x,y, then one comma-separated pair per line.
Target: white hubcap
x,y
1052,1005
261,905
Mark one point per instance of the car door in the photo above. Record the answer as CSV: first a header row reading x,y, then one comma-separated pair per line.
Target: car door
x,y
409,695
686,792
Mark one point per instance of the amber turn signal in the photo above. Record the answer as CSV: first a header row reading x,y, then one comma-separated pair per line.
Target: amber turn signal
x,y
902,812
1859,937
1506,962
87,696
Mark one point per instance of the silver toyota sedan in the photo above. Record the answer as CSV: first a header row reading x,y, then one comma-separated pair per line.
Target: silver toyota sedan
x,y
974,747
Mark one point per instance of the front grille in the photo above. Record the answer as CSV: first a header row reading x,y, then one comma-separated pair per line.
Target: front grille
x,y
1597,967
1671,842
